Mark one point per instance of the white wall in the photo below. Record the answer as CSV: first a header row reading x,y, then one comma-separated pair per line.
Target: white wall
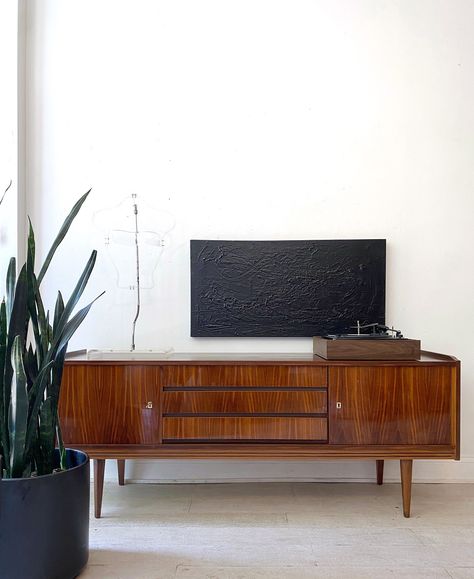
x,y
8,135
261,120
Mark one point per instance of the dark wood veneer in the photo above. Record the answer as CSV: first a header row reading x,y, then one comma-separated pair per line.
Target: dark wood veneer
x,y
386,406
110,405
406,470
121,472
356,349
242,402
237,428
379,465
234,376
275,451
99,470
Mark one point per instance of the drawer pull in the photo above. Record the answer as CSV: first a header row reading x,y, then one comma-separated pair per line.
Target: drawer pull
x,y
149,405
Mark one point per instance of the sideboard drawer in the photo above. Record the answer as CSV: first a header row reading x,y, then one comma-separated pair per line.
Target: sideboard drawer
x,y
245,402
244,376
238,428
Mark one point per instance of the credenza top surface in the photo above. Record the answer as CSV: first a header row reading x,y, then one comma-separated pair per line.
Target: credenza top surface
x,y
108,357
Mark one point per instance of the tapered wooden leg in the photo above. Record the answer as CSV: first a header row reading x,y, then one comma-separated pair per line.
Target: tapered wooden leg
x,y
121,472
406,468
379,466
99,468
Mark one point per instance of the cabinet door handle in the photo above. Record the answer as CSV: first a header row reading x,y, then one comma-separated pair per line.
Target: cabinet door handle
x,y
338,405
149,405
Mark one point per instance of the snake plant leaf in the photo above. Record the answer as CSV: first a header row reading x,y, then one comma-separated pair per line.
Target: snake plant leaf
x,y
50,328
18,322
3,323
18,326
34,321
3,339
56,378
31,366
57,371
35,397
3,350
66,334
46,437
10,287
49,332
42,320
32,288
30,253
77,292
58,311
33,313
18,414
62,448
61,235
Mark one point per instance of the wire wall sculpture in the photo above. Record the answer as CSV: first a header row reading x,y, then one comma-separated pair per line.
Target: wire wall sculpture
x,y
135,236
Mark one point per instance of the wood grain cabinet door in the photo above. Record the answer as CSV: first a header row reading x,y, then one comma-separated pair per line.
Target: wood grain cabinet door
x,y
110,404
392,405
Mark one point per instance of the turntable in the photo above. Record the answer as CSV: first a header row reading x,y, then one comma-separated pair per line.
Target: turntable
x,y
370,342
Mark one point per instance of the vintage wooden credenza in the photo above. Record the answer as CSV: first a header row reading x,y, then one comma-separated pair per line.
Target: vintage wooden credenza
x,y
261,407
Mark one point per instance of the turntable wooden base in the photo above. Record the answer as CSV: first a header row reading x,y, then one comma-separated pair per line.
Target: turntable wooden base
x,y
370,349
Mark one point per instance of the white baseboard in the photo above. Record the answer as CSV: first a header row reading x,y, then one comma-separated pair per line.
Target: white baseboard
x,y
214,471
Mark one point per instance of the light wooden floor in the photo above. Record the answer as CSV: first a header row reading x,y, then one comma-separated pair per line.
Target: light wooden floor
x,y
282,530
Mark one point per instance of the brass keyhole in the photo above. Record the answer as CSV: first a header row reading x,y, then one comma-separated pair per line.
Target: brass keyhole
x,y
149,405
338,405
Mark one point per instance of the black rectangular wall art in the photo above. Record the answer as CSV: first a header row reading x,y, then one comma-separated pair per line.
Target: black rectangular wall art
x,y
285,288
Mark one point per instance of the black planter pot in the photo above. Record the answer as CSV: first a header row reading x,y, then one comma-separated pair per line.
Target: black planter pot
x,y
44,523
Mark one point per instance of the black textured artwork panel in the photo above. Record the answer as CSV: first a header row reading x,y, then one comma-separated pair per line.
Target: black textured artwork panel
x,y
285,288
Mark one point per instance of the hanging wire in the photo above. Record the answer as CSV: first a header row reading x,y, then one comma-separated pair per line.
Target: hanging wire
x,y
137,257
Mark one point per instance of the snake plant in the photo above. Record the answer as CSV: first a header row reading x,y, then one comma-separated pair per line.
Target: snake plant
x,y
33,347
